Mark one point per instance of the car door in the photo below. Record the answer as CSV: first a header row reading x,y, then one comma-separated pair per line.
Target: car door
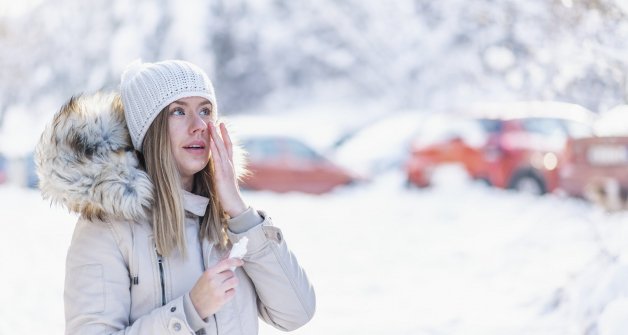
x,y
265,164
308,170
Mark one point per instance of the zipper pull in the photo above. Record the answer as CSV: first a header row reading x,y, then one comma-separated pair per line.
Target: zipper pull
x,y
161,277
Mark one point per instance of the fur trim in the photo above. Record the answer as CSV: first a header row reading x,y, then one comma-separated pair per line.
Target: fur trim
x,y
86,162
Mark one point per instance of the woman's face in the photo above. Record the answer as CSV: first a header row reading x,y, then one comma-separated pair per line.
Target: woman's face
x,y
189,137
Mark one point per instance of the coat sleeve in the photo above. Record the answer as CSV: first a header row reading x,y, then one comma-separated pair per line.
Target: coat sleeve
x,y
286,299
97,289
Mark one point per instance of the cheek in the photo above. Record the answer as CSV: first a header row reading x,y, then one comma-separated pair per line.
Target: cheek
x,y
172,137
175,131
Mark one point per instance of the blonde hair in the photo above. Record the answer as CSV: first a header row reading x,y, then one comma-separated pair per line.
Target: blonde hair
x,y
168,213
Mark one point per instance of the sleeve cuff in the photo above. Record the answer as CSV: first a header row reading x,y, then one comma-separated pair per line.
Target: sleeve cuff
x,y
245,221
259,234
194,320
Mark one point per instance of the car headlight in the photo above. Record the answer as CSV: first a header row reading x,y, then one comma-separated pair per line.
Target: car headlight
x,y
550,161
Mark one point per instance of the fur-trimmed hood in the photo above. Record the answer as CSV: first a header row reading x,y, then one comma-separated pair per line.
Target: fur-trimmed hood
x,y
86,162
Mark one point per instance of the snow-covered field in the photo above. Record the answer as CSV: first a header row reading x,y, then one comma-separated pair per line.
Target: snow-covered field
x,y
456,259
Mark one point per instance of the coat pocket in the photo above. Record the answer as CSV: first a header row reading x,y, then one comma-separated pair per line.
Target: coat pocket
x,y
86,292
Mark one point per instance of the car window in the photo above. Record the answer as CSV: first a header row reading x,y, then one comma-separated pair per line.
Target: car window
x,y
259,149
301,151
542,126
491,126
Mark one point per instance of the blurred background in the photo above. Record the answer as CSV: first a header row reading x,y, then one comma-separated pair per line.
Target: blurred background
x,y
439,167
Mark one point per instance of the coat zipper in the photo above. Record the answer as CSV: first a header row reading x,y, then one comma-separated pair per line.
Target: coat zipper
x,y
161,277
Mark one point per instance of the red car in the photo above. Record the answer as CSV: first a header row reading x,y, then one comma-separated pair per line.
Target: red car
x,y
523,149
285,164
596,167
446,140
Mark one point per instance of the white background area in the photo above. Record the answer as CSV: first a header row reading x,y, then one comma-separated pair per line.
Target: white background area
x,y
459,258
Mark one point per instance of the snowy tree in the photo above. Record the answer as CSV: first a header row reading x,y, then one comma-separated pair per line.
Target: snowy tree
x,y
413,53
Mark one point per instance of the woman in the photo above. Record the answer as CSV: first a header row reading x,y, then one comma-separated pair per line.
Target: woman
x,y
149,251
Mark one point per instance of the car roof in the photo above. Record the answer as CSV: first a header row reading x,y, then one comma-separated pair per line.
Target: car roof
x,y
613,122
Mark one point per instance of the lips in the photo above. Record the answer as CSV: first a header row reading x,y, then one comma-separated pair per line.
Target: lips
x,y
196,145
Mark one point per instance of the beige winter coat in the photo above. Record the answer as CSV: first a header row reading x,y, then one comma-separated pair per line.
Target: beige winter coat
x,y
114,280
116,283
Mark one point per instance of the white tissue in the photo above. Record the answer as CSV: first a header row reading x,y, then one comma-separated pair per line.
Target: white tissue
x,y
239,249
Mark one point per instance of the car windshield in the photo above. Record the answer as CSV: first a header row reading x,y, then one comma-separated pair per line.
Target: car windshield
x,y
542,126
491,126
301,151
260,149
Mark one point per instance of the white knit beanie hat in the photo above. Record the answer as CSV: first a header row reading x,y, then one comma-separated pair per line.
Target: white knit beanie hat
x,y
147,88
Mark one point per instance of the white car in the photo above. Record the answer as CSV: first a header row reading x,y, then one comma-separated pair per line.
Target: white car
x,y
380,146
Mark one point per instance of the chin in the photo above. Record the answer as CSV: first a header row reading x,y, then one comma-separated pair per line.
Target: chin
x,y
191,170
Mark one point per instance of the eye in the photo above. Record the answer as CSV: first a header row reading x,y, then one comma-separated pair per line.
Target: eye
x,y
177,111
205,111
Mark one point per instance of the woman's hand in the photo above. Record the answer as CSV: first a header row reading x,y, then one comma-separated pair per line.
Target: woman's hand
x,y
215,287
226,181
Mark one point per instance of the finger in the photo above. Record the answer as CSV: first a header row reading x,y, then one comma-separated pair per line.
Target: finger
x,y
217,279
226,264
230,283
215,154
219,142
227,139
236,261
225,164
229,294
212,137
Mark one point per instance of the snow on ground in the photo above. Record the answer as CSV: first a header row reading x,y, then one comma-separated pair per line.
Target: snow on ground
x,y
459,258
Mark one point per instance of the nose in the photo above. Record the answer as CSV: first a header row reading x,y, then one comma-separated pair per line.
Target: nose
x,y
197,124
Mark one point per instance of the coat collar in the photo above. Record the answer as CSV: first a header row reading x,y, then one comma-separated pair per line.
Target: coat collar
x,y
195,204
